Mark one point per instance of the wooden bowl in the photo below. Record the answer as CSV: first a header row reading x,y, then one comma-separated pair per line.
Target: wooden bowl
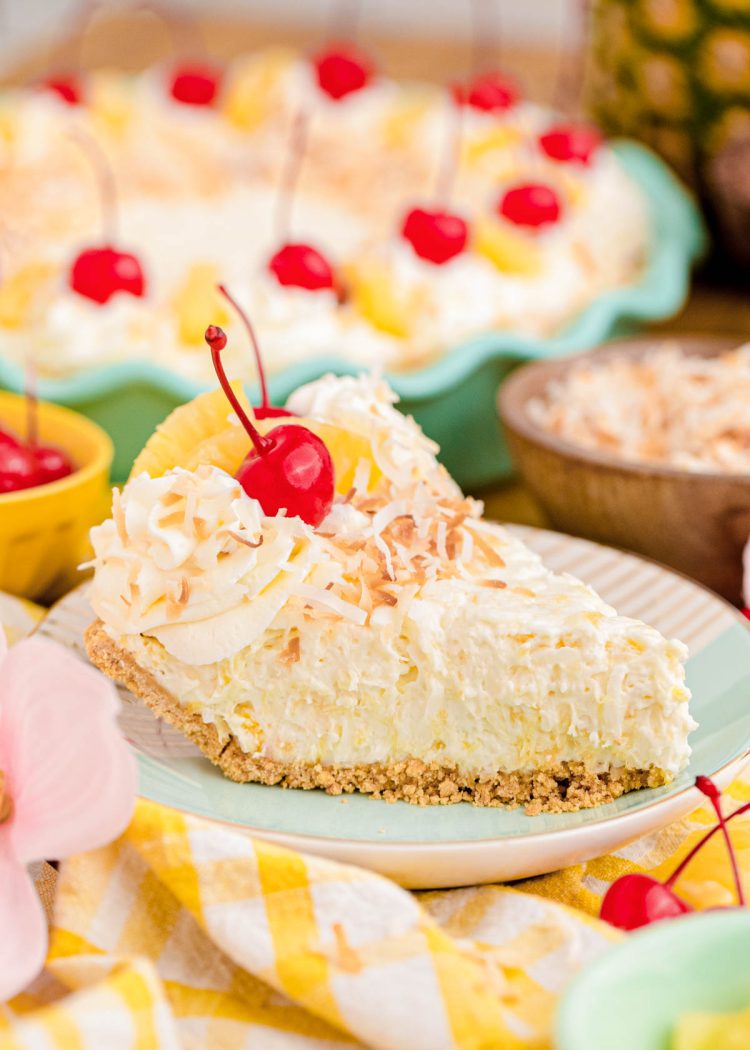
x,y
695,522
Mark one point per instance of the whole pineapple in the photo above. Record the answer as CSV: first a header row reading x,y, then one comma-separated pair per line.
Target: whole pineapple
x,y
673,73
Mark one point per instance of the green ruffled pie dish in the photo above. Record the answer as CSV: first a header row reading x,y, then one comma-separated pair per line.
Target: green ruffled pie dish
x,y
452,399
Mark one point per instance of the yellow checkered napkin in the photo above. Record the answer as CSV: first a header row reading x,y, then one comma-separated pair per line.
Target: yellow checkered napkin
x,y
187,934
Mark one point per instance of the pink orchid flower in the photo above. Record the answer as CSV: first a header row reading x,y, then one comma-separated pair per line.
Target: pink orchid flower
x,y
67,783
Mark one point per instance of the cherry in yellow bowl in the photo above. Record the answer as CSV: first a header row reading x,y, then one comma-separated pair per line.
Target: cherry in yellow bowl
x,y
44,529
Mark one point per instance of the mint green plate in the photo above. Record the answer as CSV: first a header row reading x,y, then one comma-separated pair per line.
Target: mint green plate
x,y
462,844
453,399
631,997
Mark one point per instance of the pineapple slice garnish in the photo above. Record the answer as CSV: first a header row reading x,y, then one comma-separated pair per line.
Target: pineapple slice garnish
x,y
23,291
248,98
196,299
509,251
200,432
190,435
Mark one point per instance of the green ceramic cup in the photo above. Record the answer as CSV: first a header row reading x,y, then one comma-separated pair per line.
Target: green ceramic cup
x,y
632,996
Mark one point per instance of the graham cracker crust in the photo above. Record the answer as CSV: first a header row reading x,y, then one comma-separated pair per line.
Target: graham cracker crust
x,y
555,789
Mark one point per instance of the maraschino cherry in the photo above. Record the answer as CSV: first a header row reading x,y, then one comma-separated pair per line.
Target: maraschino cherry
x,y
570,143
530,204
195,84
438,234
297,265
636,900
289,468
67,87
301,266
266,410
488,92
99,273
342,70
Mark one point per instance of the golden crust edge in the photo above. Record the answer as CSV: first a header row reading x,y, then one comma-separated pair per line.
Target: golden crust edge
x,y
566,787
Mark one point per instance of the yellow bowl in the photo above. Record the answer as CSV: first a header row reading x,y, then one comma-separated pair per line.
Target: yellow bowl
x,y
44,530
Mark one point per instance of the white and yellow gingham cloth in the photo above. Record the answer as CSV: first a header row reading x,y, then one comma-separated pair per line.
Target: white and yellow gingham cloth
x,y
184,934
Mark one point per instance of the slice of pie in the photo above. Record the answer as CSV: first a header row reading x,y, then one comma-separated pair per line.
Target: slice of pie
x,y
405,647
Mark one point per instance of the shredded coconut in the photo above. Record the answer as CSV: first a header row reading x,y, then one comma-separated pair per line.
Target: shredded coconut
x,y
669,407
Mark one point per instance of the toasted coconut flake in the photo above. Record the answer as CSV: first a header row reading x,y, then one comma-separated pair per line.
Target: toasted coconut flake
x,y
177,517
385,597
492,556
319,596
291,654
245,541
397,509
201,528
385,550
361,481
499,585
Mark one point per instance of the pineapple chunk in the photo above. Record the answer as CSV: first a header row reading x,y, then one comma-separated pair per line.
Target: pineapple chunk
x,y
195,300
400,123
496,140
22,291
248,98
511,252
110,104
713,1031
377,296
200,432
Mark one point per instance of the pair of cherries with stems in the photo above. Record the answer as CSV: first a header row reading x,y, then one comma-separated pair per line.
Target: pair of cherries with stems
x,y
192,82
637,900
287,469
28,464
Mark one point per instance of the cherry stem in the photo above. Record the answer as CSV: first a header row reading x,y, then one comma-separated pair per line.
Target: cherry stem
x,y
105,179
343,19
482,34
710,790
266,401
570,64
32,405
290,175
451,159
70,54
701,843
254,435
